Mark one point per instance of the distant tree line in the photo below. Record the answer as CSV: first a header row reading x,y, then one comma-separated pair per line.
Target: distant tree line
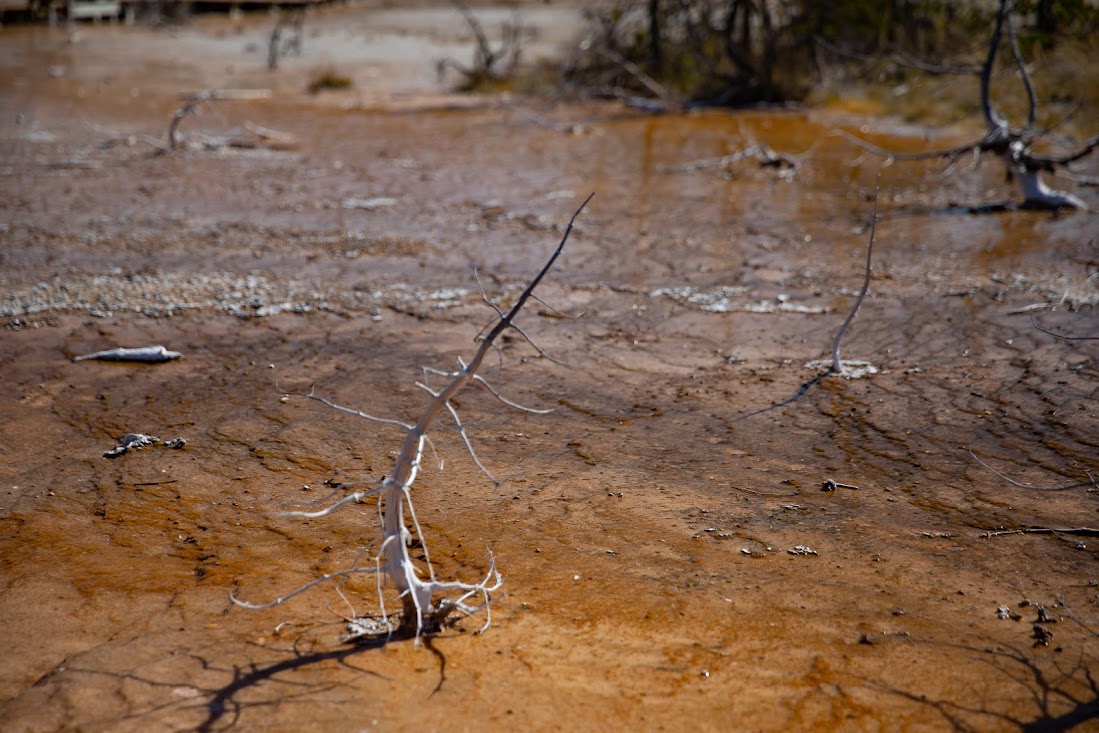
x,y
737,52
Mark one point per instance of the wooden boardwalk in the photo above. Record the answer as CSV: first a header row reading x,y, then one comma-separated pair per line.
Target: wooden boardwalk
x,y
131,9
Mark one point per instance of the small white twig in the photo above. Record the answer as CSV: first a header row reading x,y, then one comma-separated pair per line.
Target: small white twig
x,y
1021,485
349,499
480,380
469,445
351,411
301,589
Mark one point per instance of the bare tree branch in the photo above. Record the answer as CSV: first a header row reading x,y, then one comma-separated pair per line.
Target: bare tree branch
x,y
994,123
489,64
1082,531
1032,98
658,90
420,611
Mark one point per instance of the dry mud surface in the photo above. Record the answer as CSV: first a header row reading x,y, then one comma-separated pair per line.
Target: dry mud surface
x,y
670,560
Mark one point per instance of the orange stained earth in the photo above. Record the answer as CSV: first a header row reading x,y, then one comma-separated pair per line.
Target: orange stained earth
x,y
704,534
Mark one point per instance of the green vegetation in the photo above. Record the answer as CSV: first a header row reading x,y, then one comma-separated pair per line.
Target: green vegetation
x,y
328,79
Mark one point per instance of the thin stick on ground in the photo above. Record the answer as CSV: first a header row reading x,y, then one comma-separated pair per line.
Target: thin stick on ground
x,y
421,611
1032,487
1065,336
1079,531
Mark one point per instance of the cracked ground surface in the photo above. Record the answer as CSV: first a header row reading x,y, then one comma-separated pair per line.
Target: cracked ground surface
x,y
670,559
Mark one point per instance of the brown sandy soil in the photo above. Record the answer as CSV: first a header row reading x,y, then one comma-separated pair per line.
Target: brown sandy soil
x,y
648,529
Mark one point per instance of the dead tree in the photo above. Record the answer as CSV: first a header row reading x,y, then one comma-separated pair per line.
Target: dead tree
x,y
1014,145
489,64
426,604
291,22
679,53
751,44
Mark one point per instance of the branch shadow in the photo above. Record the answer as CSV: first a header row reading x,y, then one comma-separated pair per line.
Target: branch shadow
x,y
797,395
957,208
1064,696
224,708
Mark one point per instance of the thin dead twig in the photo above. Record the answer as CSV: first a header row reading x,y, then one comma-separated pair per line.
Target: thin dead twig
x,y
292,20
267,133
1080,531
836,367
1021,485
837,364
1034,323
669,102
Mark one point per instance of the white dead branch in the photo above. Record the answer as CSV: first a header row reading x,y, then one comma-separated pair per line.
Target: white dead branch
x,y
192,102
426,603
764,155
131,441
144,355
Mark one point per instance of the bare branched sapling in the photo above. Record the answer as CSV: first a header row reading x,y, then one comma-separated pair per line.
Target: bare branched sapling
x,y
836,365
489,64
425,602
